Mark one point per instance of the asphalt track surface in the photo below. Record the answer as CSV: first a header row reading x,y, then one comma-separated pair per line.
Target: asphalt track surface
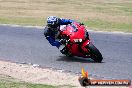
x,y
28,45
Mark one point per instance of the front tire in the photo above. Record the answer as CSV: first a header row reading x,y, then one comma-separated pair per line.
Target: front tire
x,y
95,53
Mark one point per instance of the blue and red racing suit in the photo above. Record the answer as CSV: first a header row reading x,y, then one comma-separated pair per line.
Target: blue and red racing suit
x,y
52,33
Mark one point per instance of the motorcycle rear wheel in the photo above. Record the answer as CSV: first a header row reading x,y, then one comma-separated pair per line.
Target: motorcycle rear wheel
x,y
95,53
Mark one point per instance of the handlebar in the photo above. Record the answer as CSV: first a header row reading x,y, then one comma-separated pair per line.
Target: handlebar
x,y
64,41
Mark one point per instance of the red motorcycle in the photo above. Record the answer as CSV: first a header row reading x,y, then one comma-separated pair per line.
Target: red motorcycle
x,y
78,43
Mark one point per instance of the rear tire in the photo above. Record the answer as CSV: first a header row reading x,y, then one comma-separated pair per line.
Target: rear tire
x,y
95,53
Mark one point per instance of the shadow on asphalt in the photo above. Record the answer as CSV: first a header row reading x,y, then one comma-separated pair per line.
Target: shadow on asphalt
x,y
75,59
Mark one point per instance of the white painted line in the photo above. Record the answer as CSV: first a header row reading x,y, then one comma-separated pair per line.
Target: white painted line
x,y
38,27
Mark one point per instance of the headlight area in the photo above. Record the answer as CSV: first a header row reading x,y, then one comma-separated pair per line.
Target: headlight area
x,y
77,40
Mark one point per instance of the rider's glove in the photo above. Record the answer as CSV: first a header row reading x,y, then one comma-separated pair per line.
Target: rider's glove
x,y
63,41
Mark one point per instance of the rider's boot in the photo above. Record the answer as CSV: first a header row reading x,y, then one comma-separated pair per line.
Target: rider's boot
x,y
66,52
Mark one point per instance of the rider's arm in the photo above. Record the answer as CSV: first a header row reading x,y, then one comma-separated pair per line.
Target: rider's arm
x,y
65,21
53,42
51,39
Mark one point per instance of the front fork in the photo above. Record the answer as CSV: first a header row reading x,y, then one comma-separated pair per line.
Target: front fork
x,y
83,46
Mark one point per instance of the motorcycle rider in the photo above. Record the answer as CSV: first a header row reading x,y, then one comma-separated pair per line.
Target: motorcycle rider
x,y
52,31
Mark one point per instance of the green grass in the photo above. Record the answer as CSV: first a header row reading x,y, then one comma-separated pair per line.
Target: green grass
x,y
22,21
108,26
108,15
10,84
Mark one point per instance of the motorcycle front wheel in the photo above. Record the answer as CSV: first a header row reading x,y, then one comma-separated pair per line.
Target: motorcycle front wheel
x,y
95,53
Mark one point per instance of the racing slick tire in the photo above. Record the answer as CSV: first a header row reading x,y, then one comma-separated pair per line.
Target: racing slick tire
x,y
95,53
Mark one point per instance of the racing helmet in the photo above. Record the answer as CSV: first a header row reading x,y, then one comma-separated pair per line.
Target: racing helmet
x,y
52,21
